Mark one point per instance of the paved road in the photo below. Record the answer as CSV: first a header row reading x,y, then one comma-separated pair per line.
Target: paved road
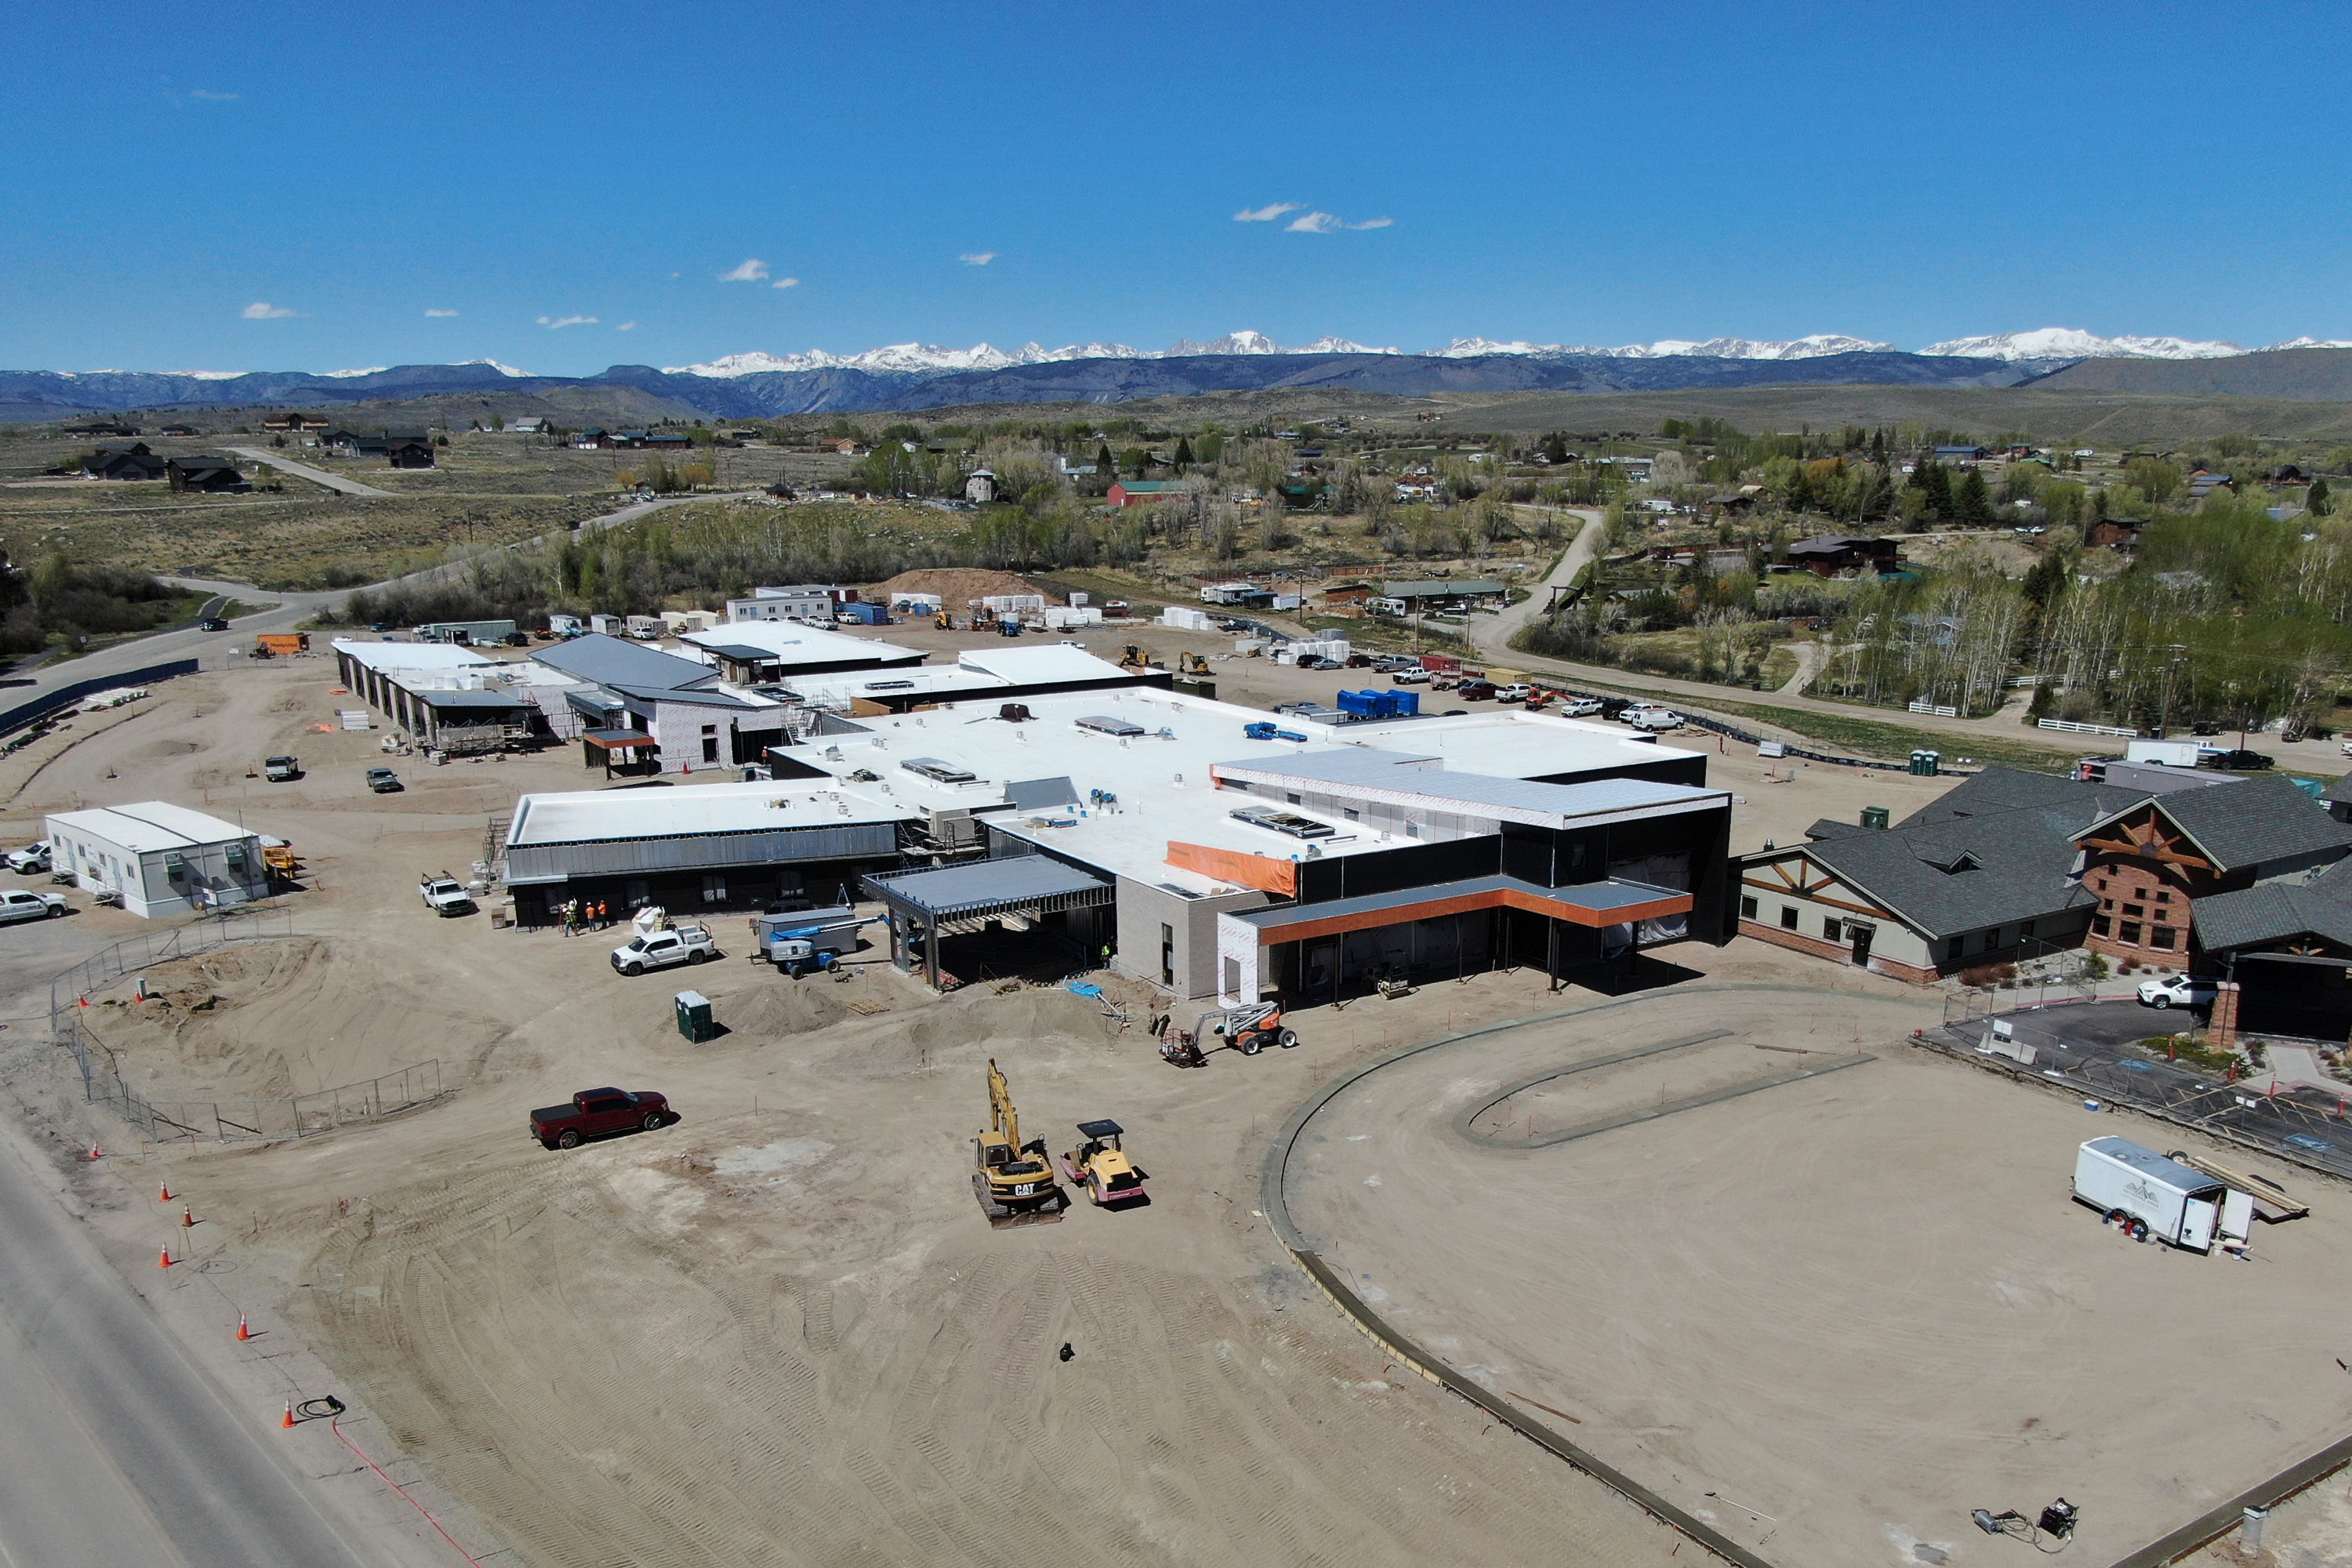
x,y
2088,1047
305,472
115,1448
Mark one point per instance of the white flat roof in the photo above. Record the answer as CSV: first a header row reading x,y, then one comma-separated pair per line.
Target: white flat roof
x,y
150,826
1161,775
396,655
1510,742
788,641
681,811
1038,664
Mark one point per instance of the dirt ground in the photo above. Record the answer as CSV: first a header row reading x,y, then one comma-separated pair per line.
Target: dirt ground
x,y
1833,1316
780,1331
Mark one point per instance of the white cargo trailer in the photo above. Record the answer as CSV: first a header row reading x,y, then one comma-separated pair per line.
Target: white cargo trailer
x,y
2167,1199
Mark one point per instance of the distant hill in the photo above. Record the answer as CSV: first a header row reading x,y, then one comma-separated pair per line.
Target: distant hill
x,y
2298,376
40,395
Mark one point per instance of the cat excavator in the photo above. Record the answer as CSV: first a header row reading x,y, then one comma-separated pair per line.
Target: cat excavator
x,y
1014,1181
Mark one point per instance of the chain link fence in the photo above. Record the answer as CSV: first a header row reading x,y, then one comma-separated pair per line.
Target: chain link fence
x,y
215,1121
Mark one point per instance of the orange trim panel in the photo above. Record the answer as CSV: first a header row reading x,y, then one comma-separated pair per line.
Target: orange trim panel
x,y
1308,929
1239,866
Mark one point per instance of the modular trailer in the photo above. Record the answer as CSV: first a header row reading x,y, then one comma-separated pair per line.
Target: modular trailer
x,y
2173,1202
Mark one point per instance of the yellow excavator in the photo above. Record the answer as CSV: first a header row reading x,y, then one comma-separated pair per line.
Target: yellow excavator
x,y
1101,1166
1014,1181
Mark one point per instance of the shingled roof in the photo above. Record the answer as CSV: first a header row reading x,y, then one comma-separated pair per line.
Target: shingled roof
x,y
2274,910
2261,822
1970,870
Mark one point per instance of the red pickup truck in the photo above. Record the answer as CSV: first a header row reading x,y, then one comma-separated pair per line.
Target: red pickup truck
x,y
596,1111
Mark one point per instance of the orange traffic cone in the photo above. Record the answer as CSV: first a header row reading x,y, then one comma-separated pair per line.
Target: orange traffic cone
x,y
164,1193
186,1218
242,1333
163,1258
290,1417
96,1152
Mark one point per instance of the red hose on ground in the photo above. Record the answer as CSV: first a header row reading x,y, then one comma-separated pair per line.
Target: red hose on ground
x,y
335,1426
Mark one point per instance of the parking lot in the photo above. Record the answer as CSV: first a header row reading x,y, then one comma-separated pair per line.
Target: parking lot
x,y
2095,1050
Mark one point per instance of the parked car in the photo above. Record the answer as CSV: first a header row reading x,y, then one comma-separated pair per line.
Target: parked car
x,y
16,904
32,857
1360,661
660,949
1580,707
2238,761
2180,991
1652,717
1317,661
444,895
1516,691
384,781
212,624
1410,677
594,1112
281,769
1478,690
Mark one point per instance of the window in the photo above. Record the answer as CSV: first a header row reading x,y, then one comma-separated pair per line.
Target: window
x,y
1292,799
2129,934
2102,884
2106,903
1748,908
1166,954
2164,895
2135,910
1351,814
2161,936
714,890
2025,931
1830,931
2098,925
1788,917
710,748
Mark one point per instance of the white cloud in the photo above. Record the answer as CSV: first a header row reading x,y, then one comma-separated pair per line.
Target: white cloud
x,y
1265,214
977,257
787,283
213,97
751,271
1331,223
434,312
553,321
263,311
626,327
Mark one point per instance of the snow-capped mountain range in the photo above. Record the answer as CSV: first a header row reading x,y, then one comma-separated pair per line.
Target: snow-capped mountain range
x,y
2045,345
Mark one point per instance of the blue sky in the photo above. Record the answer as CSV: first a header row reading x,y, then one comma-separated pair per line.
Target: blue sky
x,y
1555,173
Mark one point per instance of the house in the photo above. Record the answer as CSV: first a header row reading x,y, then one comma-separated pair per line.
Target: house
x,y
1828,554
293,422
182,430
1416,488
409,453
1959,456
117,460
2203,484
848,447
813,602
591,440
2118,533
1421,595
100,427
1348,599
164,859
980,486
2012,863
2153,864
1983,875
1143,492
214,476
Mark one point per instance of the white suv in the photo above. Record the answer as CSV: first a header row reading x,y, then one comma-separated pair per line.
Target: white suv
x,y
2180,991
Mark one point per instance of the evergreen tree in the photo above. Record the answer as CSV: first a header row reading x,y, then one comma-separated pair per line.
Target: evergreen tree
x,y
1878,446
2315,499
1183,453
1105,469
1972,504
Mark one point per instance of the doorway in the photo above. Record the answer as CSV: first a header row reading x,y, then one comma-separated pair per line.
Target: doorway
x,y
1860,934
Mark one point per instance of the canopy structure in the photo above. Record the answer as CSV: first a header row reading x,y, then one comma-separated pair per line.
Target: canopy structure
x,y
598,746
928,904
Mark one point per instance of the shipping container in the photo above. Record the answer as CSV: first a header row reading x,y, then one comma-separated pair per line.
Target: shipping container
x,y
2161,1198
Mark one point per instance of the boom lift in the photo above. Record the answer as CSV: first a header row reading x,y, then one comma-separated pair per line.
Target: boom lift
x,y
1249,1029
1014,1181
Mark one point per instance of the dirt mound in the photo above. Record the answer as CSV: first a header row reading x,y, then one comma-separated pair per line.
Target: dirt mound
x,y
268,1018
956,587
786,1008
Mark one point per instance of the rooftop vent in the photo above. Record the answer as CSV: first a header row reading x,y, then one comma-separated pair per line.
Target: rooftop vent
x,y
1289,822
938,771
1105,724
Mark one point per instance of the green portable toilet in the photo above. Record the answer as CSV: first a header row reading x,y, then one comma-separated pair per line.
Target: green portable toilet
x,y
1874,818
694,1020
1927,764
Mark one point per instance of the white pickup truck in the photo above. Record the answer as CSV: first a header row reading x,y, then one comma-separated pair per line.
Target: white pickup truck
x,y
660,949
34,856
444,895
16,904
